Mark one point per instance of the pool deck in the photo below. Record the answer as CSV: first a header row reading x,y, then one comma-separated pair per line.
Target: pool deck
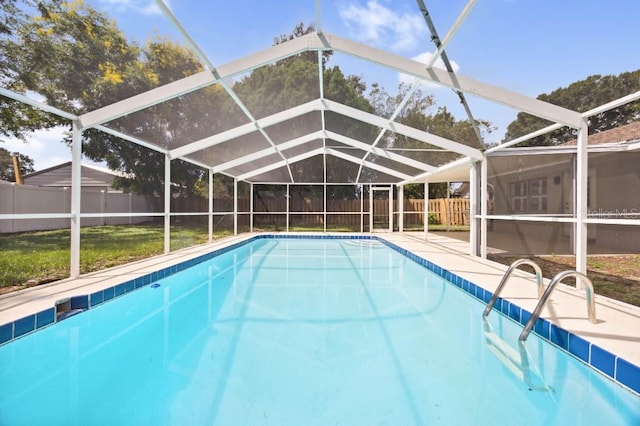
x,y
617,329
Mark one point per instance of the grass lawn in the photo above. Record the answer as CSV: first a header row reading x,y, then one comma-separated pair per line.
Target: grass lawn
x,y
33,258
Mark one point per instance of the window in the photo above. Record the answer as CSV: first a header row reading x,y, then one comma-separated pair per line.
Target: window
x,y
529,196
519,197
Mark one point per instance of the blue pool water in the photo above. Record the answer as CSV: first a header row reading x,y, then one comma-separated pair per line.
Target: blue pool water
x,y
300,332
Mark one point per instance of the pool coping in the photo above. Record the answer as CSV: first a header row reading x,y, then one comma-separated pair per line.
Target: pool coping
x,y
615,367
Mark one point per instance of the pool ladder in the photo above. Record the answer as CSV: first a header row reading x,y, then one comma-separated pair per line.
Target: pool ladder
x,y
543,295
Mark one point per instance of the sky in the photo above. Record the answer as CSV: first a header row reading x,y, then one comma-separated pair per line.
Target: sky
x,y
527,46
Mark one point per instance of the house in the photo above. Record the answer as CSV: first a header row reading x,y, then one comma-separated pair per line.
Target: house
x,y
541,181
94,178
49,191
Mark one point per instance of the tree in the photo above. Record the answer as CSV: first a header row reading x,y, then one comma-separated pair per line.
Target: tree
x,y
6,164
418,113
582,96
79,61
16,118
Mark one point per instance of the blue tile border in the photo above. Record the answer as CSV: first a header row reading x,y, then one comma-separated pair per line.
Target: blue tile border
x,y
616,368
24,325
603,360
46,317
6,332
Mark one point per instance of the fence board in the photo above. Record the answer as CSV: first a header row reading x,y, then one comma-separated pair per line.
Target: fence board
x,y
18,199
15,199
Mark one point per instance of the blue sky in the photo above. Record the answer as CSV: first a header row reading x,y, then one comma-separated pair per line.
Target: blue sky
x,y
529,46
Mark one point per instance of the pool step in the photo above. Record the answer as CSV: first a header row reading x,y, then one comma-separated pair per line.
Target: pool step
x,y
516,361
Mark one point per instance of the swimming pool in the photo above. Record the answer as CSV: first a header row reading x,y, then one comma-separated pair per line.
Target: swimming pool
x,y
299,331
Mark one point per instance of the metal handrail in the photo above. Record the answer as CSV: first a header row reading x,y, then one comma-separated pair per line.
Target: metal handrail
x,y
591,306
505,278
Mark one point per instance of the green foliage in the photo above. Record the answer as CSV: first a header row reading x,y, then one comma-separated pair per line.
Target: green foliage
x,y
582,96
436,190
16,118
433,219
6,164
43,256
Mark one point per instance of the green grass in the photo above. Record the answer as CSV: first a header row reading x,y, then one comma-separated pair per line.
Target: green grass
x,y
33,258
450,228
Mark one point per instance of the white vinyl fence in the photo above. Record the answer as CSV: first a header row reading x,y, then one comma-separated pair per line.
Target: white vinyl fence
x,y
19,199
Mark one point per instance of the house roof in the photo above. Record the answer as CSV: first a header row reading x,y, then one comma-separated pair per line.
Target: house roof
x,y
623,134
60,176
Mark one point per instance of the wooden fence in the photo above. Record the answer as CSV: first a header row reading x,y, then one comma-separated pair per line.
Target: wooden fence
x,y
309,211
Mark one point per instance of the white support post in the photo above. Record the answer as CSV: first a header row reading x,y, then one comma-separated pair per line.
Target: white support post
x,y
362,209
130,208
251,207
210,221
288,196
167,204
76,190
425,209
581,200
473,209
370,208
484,202
103,205
325,199
448,212
400,208
390,209
235,206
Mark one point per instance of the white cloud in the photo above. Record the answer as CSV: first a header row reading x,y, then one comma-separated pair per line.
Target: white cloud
x,y
376,24
424,58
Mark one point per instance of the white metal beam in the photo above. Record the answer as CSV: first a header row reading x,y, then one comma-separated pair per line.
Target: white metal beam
x,y
581,199
425,209
245,129
167,204
76,202
318,16
281,163
210,205
484,204
473,209
380,152
454,28
129,138
308,42
147,99
39,105
482,90
613,104
368,164
402,129
451,165
526,137
214,140
268,151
